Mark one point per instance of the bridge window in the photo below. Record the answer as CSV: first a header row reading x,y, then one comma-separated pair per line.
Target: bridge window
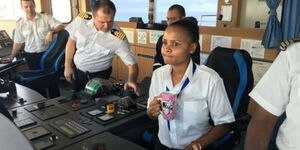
x,y
204,10
131,8
61,10
10,10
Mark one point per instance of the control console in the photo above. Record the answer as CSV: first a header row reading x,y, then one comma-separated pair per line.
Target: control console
x,y
63,122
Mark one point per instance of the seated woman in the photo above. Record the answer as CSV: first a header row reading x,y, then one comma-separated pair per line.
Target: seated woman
x,y
200,93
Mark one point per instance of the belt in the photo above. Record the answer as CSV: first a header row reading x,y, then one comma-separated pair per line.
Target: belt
x,y
91,75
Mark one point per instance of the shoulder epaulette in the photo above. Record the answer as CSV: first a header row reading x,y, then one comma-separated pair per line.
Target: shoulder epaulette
x,y
85,15
118,34
19,19
285,44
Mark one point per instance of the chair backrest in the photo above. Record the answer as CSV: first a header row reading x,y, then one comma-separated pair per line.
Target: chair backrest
x,y
235,68
51,59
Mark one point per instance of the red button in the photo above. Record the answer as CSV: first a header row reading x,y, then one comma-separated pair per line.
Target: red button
x,y
74,105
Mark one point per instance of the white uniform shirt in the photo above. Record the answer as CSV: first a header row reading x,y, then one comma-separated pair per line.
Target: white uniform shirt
x,y
279,91
95,49
33,33
203,97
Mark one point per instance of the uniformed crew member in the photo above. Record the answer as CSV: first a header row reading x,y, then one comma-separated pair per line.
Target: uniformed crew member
x,y
36,30
92,46
277,92
201,94
176,12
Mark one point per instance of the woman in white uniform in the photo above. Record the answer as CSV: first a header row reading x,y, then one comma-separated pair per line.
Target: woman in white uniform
x,y
201,95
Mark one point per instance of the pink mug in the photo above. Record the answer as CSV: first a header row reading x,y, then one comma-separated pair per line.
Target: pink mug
x,y
168,104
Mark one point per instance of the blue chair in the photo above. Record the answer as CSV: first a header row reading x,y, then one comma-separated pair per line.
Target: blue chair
x,y
47,76
235,68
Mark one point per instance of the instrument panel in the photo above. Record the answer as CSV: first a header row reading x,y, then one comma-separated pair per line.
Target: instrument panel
x,y
63,122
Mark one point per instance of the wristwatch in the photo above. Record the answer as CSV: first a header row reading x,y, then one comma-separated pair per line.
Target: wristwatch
x,y
196,145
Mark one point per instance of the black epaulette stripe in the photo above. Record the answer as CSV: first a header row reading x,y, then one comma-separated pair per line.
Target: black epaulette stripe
x,y
285,44
118,34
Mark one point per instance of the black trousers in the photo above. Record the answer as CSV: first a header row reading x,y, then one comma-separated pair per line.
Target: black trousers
x,y
33,60
159,146
82,78
50,84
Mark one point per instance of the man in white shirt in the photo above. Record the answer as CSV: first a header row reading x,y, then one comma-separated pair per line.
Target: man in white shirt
x,y
277,92
92,45
175,13
36,31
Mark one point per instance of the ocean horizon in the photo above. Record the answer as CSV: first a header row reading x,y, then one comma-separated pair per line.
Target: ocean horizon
x,y
161,16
